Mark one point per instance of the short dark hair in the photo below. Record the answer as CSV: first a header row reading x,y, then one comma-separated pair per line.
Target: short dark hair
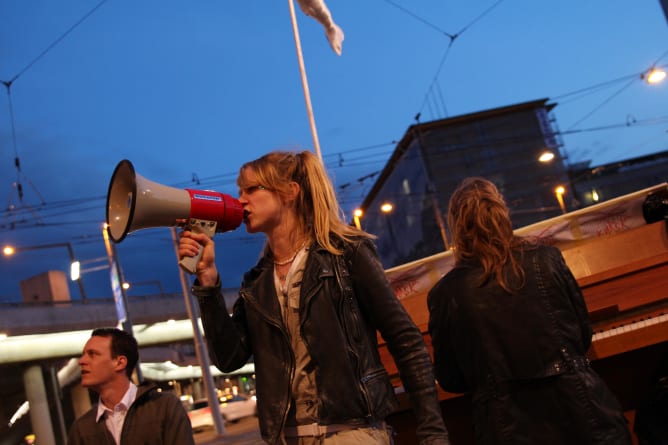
x,y
122,343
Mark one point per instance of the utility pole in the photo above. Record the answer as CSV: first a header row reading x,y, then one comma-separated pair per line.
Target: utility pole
x,y
120,297
200,348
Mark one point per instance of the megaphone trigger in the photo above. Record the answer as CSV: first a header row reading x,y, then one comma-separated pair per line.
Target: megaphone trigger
x,y
189,264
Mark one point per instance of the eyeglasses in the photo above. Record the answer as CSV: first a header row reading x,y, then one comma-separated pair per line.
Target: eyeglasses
x,y
252,189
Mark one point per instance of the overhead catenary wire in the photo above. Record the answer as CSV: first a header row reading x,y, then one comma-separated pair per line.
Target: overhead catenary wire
x,y
415,16
453,37
55,42
342,160
430,101
369,155
659,58
339,160
347,161
421,19
630,80
375,154
603,103
8,84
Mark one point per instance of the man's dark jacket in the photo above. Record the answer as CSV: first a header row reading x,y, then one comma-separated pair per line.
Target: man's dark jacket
x,y
343,301
155,418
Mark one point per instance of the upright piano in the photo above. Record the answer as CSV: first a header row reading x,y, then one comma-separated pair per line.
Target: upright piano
x,y
620,260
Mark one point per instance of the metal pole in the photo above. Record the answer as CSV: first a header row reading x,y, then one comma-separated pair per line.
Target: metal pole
x,y
200,349
58,401
432,191
120,296
302,72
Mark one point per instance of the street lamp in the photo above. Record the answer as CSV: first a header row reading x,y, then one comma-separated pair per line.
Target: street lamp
x,y
559,192
127,285
12,250
76,269
357,214
654,75
546,156
594,195
387,208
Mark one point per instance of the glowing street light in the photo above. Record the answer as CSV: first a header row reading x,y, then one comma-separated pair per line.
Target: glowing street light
x,y
546,156
357,214
387,208
655,75
135,284
594,195
559,192
76,269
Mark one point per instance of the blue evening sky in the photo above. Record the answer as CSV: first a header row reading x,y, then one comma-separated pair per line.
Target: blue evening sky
x,y
189,90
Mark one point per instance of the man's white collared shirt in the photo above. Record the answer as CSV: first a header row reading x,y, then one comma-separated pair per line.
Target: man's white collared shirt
x,y
114,418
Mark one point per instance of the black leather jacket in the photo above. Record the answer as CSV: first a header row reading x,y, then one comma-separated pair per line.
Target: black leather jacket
x,y
340,313
522,355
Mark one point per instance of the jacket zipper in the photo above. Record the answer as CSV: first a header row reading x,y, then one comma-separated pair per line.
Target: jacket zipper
x,y
281,327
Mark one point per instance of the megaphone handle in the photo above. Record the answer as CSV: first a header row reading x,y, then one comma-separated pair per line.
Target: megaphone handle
x,y
189,264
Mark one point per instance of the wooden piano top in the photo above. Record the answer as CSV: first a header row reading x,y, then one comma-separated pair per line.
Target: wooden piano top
x,y
624,279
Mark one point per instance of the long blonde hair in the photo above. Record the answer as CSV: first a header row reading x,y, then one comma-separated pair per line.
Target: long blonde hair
x,y
482,231
318,211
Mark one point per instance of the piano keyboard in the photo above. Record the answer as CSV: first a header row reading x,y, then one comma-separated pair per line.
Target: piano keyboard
x,y
630,326
630,334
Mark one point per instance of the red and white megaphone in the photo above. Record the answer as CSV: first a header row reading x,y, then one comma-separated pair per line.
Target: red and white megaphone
x,y
134,202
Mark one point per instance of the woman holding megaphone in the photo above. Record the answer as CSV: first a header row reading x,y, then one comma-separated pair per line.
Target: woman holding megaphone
x,y
309,312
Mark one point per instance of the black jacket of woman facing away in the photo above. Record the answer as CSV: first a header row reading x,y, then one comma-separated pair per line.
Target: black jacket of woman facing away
x,y
509,325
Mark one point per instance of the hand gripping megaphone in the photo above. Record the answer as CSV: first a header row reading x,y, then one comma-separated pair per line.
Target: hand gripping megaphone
x,y
134,202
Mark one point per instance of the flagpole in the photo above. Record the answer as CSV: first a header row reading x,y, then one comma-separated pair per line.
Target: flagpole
x,y
302,72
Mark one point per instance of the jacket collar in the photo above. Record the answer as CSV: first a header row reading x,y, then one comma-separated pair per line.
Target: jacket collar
x,y
259,290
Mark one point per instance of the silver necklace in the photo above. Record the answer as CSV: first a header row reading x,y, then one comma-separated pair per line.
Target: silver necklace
x,y
290,260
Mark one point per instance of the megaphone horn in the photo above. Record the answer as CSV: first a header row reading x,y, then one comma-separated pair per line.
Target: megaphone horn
x,y
134,203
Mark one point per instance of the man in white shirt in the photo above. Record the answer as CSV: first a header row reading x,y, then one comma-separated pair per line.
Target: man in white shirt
x,y
125,414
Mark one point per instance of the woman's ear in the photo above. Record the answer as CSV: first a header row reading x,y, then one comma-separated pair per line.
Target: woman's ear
x,y
294,190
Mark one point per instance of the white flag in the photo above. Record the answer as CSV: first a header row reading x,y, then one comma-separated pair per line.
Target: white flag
x,y
319,11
